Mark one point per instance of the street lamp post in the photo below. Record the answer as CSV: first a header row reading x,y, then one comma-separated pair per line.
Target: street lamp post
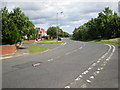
x,y
57,23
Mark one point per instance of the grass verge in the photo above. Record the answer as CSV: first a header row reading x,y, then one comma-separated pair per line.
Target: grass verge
x,y
34,49
27,42
114,41
51,42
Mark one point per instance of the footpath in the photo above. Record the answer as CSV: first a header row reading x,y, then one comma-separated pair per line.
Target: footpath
x,y
20,52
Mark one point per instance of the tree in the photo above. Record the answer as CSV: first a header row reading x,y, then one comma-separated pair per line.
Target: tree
x,y
52,32
10,34
15,26
105,26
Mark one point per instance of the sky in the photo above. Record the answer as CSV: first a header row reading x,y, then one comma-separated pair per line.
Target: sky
x,y
46,13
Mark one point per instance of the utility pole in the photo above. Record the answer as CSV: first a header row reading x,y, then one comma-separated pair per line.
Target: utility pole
x,y
57,22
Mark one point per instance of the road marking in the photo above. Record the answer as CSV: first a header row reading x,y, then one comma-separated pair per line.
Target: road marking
x,y
67,87
92,77
89,68
99,69
77,79
50,60
88,81
98,61
80,48
94,64
36,64
97,72
80,76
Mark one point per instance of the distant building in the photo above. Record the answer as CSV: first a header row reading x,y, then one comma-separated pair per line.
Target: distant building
x,y
41,33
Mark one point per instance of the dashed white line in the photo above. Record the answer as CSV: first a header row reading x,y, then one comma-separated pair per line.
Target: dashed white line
x,y
88,81
80,47
77,79
67,87
50,60
80,76
92,77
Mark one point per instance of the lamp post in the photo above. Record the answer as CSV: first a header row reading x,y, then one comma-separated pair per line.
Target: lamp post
x,y
57,22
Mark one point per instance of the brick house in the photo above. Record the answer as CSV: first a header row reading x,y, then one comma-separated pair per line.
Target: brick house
x,y
41,33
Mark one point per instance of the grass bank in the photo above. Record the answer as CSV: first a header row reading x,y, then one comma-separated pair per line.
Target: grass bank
x,y
114,41
34,49
50,42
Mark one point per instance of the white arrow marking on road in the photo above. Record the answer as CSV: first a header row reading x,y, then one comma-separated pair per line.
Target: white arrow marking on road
x,y
34,65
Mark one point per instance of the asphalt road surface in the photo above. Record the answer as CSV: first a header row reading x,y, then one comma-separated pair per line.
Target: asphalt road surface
x,y
74,64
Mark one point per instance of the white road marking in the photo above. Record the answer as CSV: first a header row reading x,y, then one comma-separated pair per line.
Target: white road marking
x,y
80,76
85,72
94,64
98,61
67,87
92,77
88,81
77,79
36,64
80,48
99,69
89,68
97,72
50,59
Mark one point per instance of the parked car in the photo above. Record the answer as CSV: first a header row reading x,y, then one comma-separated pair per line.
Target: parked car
x,y
59,39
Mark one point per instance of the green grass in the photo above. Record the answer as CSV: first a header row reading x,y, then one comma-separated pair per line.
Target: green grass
x,y
51,42
27,42
114,41
34,49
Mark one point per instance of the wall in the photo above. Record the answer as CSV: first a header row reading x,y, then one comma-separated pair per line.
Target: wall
x,y
29,41
7,49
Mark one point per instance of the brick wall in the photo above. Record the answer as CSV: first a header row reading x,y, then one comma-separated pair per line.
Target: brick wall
x,y
7,49
29,41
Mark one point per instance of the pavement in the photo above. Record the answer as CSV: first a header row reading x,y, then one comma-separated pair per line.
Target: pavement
x,y
20,52
75,64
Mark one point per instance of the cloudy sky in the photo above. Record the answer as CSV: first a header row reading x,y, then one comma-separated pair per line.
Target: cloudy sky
x,y
43,13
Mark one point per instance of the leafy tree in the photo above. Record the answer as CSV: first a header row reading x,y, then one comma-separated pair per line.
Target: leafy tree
x,y
10,34
106,25
15,26
52,31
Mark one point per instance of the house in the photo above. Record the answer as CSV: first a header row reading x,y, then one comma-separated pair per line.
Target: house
x,y
41,33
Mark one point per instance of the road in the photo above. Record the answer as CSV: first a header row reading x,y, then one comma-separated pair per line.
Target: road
x,y
74,64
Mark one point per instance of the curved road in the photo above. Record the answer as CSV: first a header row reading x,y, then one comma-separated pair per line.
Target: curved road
x,y
74,64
